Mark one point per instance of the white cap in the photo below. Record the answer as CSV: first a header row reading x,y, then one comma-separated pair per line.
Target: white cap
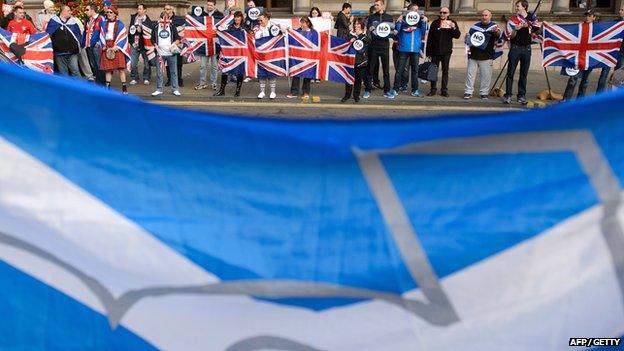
x,y
48,4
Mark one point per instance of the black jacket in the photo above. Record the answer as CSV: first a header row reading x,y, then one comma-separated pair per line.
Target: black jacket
x,y
137,30
440,40
372,21
342,26
361,57
63,42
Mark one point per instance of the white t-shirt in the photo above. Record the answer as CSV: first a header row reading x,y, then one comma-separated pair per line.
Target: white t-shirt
x,y
110,31
163,46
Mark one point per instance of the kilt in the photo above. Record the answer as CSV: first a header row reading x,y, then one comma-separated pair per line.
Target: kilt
x,y
119,62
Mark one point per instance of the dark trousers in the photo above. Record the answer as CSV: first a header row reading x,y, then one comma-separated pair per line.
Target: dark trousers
x,y
405,75
374,77
442,61
521,54
93,54
294,85
584,76
225,77
376,55
400,78
361,73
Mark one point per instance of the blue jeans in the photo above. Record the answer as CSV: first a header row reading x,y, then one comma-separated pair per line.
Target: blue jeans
x,y
602,80
134,59
211,63
399,79
67,63
172,61
517,54
572,81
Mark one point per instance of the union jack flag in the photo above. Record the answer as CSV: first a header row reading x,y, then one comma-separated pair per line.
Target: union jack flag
x,y
201,35
241,54
38,54
121,39
584,45
321,56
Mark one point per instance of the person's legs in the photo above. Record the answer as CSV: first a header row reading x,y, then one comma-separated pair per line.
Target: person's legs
x,y
159,74
514,58
401,61
525,63
294,85
203,62
602,80
99,74
445,61
584,83
485,76
569,90
179,75
434,84
73,65
471,75
61,64
306,86
134,63
414,57
172,61
214,69
147,69
360,74
85,66
372,63
385,63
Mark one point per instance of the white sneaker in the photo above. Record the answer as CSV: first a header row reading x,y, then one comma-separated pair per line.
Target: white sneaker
x,y
247,80
272,95
176,93
133,82
157,92
146,82
261,95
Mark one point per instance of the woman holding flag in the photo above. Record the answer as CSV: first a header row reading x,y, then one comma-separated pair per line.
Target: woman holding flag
x,y
115,50
307,31
235,26
262,31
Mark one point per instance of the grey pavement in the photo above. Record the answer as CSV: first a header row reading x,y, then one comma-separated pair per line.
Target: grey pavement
x,y
326,98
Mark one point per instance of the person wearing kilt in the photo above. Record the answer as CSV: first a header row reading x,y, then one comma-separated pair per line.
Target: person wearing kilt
x,y
115,50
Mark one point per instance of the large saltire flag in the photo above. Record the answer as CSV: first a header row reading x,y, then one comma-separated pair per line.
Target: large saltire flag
x,y
320,56
131,226
582,45
31,51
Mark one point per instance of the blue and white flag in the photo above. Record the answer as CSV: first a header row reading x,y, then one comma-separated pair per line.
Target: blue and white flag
x,y
71,25
131,226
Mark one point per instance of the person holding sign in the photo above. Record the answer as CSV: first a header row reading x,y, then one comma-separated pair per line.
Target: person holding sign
x,y
380,26
360,41
440,46
411,28
480,40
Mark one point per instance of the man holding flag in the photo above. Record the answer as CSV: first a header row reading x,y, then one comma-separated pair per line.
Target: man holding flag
x,y
66,38
480,40
210,53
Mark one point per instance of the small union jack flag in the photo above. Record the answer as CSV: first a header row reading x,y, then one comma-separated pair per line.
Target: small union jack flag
x,y
320,56
582,46
38,54
241,54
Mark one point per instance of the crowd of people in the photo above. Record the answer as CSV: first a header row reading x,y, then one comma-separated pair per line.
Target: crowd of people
x,y
92,49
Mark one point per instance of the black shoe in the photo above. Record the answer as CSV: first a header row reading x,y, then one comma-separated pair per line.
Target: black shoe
x,y
356,99
220,92
238,89
181,83
445,93
344,99
522,100
432,93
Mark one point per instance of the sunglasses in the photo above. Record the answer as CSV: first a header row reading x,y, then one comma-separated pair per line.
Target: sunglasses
x,y
109,12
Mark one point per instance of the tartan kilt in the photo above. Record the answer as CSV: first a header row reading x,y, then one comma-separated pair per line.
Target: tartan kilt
x,y
119,62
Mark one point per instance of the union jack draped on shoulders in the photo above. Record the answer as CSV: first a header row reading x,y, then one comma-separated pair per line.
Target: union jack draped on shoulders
x,y
36,50
120,41
320,56
150,48
583,45
71,24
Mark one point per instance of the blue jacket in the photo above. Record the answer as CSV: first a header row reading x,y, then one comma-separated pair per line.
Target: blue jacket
x,y
410,38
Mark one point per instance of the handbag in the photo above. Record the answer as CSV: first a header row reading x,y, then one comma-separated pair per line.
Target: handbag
x,y
428,71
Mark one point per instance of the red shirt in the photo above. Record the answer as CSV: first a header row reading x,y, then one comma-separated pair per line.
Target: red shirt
x,y
21,27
